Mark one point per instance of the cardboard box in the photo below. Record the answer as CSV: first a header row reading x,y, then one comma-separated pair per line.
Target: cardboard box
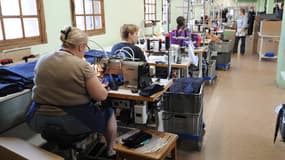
x,y
270,27
269,45
249,44
17,149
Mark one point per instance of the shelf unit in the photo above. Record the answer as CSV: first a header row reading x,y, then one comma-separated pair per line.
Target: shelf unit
x,y
261,50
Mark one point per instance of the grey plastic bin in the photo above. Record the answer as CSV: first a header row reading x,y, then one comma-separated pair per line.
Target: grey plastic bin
x,y
182,123
13,110
223,58
224,46
211,68
183,103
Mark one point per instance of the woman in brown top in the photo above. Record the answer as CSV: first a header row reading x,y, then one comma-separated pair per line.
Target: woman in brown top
x,y
64,86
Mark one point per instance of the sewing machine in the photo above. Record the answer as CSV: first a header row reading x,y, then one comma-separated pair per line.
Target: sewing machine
x,y
135,74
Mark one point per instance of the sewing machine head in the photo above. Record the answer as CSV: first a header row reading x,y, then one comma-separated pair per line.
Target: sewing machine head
x,y
115,66
136,74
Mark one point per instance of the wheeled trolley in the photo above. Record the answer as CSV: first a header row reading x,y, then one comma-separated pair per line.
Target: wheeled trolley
x,y
211,72
222,55
183,115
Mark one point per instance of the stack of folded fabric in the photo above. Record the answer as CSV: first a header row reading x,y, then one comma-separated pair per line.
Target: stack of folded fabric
x,y
92,55
186,85
16,78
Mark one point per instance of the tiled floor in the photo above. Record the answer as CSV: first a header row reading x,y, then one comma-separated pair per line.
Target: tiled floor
x,y
239,114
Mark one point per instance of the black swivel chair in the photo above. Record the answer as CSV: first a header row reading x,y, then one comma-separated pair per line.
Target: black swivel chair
x,y
57,137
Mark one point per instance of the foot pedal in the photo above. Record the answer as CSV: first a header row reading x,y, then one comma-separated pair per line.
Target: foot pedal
x,y
96,151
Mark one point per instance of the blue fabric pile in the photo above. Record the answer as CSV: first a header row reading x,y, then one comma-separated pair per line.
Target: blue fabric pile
x,y
92,55
186,85
16,78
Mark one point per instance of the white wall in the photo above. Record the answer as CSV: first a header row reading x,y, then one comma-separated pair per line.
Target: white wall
x,y
117,12
197,9
58,15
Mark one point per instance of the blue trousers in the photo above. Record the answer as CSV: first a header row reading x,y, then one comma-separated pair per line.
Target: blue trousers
x,y
242,47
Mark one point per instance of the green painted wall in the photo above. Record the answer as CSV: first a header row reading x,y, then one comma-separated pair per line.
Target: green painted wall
x,y
197,9
260,7
281,57
246,1
269,6
57,15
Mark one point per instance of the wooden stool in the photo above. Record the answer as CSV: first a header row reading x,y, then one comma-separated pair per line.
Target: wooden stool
x,y
162,153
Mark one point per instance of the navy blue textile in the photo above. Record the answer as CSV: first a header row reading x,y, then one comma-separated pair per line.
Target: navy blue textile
x,y
16,78
92,54
196,84
90,60
139,55
95,53
9,88
24,70
95,118
186,85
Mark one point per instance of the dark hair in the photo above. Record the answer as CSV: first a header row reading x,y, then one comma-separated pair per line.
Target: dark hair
x,y
180,25
180,21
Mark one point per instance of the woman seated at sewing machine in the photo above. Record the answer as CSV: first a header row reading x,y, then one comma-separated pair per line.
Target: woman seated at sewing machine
x,y
64,86
129,36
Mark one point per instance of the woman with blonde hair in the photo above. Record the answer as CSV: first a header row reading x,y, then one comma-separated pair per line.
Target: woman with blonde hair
x,y
129,36
64,86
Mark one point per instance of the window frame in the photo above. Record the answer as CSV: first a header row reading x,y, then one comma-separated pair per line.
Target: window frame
x,y
164,12
25,41
147,4
102,15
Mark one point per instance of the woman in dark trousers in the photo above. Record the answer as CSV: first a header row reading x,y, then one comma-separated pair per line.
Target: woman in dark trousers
x,y
241,32
280,12
276,9
251,17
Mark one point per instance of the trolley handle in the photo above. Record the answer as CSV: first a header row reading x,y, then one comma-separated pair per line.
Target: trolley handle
x,y
180,116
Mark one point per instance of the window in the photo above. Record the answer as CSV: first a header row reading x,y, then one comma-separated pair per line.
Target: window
x,y
21,23
164,12
88,15
149,11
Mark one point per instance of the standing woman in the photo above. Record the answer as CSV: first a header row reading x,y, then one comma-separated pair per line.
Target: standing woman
x,y
251,17
241,32
280,12
276,9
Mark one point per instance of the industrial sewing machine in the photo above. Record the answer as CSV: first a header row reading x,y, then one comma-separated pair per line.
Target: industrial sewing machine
x,y
133,74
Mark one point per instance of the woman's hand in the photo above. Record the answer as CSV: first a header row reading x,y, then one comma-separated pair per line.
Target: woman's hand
x,y
99,70
105,85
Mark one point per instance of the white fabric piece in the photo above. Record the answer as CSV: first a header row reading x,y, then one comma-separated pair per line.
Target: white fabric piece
x,y
191,54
